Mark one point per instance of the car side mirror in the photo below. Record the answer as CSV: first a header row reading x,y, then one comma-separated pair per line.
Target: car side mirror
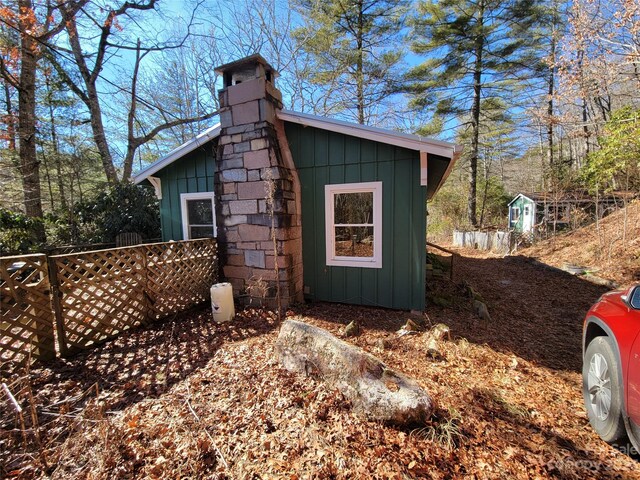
x,y
634,297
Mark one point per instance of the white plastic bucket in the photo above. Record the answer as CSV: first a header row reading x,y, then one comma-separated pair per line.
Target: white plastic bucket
x,y
222,302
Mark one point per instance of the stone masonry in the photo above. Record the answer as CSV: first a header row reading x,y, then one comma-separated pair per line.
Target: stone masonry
x,y
254,159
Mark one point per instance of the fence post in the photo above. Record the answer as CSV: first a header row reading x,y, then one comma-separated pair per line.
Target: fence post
x,y
144,251
57,308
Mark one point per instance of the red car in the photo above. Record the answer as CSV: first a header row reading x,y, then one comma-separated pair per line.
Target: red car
x,y
611,366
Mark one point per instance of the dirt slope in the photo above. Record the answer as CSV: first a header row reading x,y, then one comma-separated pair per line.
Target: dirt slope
x,y
610,250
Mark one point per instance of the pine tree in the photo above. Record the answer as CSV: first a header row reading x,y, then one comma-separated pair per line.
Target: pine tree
x,y
349,43
475,51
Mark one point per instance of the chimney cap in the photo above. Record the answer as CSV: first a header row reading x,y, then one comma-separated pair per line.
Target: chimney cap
x,y
256,58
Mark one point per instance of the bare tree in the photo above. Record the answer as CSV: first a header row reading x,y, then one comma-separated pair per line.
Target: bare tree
x,y
90,65
36,26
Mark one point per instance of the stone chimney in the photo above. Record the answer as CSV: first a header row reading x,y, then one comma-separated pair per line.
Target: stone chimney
x,y
253,159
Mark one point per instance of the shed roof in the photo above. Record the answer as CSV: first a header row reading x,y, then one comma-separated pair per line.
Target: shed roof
x,y
177,153
411,142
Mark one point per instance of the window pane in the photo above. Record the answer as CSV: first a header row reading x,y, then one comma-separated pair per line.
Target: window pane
x,y
353,208
201,232
354,241
200,212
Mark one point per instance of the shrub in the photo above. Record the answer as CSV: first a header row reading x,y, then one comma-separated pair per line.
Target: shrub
x,y
123,208
18,232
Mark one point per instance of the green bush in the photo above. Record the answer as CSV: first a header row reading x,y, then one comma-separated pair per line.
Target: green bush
x,y
17,233
123,208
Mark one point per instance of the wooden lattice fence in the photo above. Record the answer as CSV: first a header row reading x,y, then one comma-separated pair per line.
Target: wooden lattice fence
x,y
180,274
26,329
96,295
105,292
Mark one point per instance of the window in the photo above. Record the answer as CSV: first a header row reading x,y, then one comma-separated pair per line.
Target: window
x,y
526,210
353,215
515,214
198,215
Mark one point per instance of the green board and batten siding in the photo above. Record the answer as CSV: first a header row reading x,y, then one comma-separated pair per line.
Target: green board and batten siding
x,y
193,173
323,158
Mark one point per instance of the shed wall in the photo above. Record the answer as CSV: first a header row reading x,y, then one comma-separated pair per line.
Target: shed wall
x,y
324,158
193,173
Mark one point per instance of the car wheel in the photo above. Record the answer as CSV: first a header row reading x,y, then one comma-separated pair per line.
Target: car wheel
x,y
602,391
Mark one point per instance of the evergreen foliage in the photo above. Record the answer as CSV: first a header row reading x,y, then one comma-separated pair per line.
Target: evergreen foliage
x,y
122,208
350,45
475,51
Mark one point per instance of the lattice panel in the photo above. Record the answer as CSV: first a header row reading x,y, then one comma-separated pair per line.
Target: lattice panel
x,y
180,274
102,293
27,319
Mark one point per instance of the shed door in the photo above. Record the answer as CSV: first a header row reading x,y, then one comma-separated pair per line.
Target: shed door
x,y
527,218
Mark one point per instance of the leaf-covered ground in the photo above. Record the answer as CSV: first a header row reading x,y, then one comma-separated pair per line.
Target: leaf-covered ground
x,y
191,399
609,249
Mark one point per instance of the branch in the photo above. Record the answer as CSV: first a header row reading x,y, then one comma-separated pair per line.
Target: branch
x,y
132,109
65,77
68,9
6,74
74,40
141,140
106,32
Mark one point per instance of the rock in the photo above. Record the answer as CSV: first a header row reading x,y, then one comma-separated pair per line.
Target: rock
x,y
412,326
481,310
574,269
433,337
439,332
440,301
383,344
374,390
352,330
433,352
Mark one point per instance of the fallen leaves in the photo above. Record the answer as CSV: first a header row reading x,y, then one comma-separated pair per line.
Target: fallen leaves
x,y
212,402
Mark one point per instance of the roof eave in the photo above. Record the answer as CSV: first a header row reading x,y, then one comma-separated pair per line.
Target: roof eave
x,y
177,153
411,142
457,152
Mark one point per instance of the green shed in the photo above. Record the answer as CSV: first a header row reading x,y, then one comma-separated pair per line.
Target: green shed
x,y
522,213
350,200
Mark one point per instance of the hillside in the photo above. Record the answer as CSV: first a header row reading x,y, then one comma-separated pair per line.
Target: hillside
x,y
608,250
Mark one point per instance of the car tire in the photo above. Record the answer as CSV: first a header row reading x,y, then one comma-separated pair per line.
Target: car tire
x,y
602,391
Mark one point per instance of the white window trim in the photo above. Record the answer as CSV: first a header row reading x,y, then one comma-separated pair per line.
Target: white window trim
x,y
185,215
515,214
329,194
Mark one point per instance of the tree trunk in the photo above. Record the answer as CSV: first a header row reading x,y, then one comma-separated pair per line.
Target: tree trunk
x,y
550,93
360,66
91,98
99,137
475,123
11,121
29,166
56,151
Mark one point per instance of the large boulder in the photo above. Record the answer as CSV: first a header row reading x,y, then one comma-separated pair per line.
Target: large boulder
x,y
375,390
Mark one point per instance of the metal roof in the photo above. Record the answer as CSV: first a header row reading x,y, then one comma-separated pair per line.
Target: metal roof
x,y
390,137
